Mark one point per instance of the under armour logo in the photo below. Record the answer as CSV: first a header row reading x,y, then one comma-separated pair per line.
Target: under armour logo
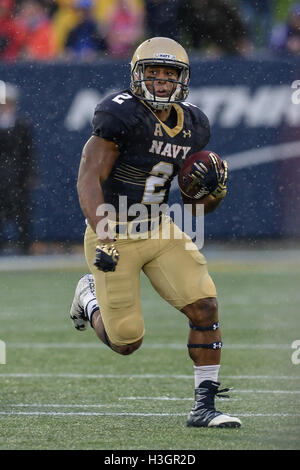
x,y
187,133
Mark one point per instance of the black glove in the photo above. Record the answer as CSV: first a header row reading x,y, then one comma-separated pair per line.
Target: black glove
x,y
107,257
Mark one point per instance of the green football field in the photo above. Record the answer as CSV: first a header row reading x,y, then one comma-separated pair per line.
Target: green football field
x,y
62,389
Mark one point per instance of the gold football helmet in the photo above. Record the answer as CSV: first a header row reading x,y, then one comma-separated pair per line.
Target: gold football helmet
x,y
160,51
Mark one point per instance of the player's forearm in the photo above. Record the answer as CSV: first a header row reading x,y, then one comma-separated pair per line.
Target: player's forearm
x,y
210,203
91,200
98,158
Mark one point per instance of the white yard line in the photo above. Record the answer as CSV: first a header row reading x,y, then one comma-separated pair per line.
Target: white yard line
x,y
140,398
62,375
117,414
63,405
145,346
231,392
85,413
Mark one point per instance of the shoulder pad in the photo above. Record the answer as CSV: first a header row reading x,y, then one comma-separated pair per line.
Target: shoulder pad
x,y
199,120
118,103
196,113
114,117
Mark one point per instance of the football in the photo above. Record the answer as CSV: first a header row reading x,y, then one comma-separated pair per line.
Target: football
x,y
192,187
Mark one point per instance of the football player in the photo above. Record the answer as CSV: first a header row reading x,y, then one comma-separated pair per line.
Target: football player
x,y
141,136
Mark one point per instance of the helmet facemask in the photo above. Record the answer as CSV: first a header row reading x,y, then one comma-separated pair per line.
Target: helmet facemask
x,y
179,90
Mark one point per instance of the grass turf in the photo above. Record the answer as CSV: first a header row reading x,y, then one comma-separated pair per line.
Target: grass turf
x,y
62,389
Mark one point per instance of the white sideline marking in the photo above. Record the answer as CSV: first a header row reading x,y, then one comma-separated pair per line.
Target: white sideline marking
x,y
74,261
62,405
43,262
267,391
86,413
292,392
145,346
91,413
156,398
138,376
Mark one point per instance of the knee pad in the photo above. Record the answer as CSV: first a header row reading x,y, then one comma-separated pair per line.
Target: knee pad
x,y
212,327
216,345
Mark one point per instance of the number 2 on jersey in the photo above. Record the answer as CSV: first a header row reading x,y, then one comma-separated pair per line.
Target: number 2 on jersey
x,y
122,97
160,173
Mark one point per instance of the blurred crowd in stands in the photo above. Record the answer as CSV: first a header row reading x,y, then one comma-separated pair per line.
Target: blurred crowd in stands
x,y
88,30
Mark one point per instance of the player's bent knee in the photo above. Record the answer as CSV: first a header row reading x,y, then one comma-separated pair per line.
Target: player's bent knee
x,y
127,330
126,349
126,335
203,311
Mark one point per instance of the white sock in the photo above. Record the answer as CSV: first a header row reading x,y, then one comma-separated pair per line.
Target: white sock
x,y
91,307
202,373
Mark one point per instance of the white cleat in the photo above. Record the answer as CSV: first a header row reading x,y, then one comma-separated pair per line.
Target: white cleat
x,y
224,421
84,294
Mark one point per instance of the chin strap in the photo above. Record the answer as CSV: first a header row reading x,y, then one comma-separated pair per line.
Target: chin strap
x,y
158,105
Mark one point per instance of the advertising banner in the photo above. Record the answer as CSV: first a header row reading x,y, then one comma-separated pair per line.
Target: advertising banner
x,y
254,111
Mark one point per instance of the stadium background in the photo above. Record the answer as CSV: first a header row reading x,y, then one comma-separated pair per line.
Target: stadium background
x,y
247,98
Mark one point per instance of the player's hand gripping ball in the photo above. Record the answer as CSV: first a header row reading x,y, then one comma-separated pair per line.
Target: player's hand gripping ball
x,y
203,173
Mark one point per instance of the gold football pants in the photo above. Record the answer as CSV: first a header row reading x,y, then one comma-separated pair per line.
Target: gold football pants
x,y
180,277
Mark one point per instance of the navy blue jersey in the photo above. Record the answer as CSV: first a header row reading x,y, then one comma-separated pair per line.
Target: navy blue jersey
x,y
151,151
